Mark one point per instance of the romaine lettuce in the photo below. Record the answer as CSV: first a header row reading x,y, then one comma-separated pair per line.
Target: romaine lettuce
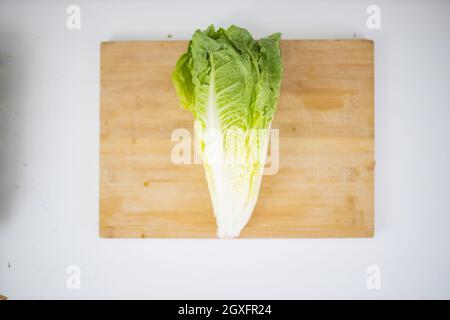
x,y
231,83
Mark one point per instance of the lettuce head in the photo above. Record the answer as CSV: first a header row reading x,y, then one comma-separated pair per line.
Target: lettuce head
x,y
231,83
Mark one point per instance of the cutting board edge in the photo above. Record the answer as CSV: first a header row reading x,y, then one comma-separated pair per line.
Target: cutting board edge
x,y
112,42
106,232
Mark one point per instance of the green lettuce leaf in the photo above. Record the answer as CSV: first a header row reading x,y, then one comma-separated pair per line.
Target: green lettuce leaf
x,y
231,83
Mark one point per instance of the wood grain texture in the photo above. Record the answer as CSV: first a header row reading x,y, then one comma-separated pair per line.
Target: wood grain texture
x,y
325,183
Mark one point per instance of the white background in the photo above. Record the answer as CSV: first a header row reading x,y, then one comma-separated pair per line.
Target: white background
x,y
49,129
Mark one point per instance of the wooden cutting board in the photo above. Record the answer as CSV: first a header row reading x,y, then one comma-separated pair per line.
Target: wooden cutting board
x,y
325,182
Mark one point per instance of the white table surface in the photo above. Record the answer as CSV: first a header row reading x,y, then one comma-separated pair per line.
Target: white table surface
x,y
49,128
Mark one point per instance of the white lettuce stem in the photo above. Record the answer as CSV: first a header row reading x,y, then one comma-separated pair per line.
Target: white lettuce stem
x,y
234,187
